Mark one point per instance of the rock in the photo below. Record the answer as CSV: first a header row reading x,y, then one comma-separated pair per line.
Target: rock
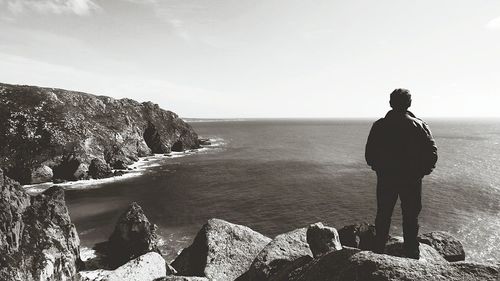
x,y
63,129
41,174
331,266
148,267
283,254
350,264
220,251
118,173
99,169
56,181
37,239
322,239
69,168
133,236
81,173
394,247
13,203
119,165
448,246
178,146
361,236
171,270
204,141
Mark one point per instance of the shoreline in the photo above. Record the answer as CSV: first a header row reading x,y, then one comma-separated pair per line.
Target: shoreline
x,y
133,170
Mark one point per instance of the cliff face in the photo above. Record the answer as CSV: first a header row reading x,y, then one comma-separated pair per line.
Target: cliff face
x,y
48,133
37,239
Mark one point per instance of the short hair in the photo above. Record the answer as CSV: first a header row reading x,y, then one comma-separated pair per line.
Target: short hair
x,y
400,99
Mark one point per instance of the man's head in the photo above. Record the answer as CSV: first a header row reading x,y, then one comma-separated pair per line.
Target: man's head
x,y
400,99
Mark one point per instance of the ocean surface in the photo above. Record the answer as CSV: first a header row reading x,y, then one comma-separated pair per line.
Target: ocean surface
x,y
278,175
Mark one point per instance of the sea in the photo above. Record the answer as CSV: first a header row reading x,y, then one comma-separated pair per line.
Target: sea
x,y
276,175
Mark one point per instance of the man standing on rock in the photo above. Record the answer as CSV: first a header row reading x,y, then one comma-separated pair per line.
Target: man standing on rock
x,y
401,150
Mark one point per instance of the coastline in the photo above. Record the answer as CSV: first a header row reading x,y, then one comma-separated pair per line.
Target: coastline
x,y
133,170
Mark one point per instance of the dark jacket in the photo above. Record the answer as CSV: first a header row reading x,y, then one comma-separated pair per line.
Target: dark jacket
x,y
401,144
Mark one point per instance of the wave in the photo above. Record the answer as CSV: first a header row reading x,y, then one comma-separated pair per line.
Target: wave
x,y
194,120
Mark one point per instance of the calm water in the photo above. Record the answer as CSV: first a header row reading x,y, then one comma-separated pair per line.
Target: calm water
x,y
278,175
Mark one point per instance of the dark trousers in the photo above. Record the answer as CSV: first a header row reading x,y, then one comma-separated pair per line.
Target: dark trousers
x,y
409,191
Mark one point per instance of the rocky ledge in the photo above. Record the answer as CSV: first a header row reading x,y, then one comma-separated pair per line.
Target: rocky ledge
x,y
49,134
39,242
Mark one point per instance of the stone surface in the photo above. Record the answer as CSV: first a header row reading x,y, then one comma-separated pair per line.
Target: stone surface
x,y
42,174
394,247
148,267
447,245
360,236
37,239
350,264
220,251
132,237
322,239
283,254
98,169
63,129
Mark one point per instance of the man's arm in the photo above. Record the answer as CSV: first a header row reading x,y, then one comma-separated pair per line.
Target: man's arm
x,y
429,150
371,149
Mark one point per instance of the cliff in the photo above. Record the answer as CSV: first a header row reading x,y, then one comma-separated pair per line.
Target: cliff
x,y
48,134
37,239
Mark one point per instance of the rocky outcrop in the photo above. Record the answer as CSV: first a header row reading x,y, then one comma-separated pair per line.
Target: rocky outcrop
x,y
394,247
46,131
37,239
361,236
351,264
99,169
148,267
42,174
322,239
132,237
447,245
283,254
220,251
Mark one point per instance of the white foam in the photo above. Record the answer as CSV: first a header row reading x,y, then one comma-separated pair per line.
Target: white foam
x,y
87,254
189,120
136,169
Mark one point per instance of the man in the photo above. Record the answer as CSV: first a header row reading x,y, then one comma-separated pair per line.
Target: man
x,y
401,150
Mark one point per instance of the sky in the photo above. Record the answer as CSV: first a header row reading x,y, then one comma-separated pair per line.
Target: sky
x,y
261,58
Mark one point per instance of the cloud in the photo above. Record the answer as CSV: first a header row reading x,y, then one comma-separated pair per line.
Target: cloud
x,y
77,7
493,24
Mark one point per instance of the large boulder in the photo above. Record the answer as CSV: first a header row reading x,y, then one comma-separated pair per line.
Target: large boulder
x,y
283,254
361,236
220,251
148,267
99,169
447,245
350,264
322,239
132,237
41,174
37,239
394,247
